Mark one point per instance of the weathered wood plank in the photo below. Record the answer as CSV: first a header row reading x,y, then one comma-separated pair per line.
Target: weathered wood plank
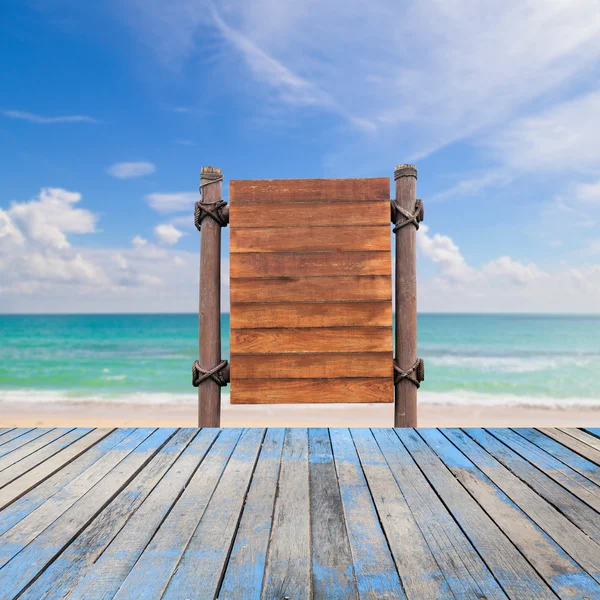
x,y
575,444
315,314
246,566
11,434
203,563
558,569
323,339
21,440
58,579
26,450
419,571
522,442
313,289
303,190
314,264
304,391
582,436
151,574
310,239
309,214
311,366
103,578
514,573
566,534
466,573
376,575
36,521
16,574
288,571
579,513
38,475
19,467
332,568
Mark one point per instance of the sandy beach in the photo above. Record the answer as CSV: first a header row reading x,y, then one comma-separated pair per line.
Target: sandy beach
x,y
368,415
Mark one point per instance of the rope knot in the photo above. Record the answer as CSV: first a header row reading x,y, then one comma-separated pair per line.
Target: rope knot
x,y
200,374
214,210
413,218
415,374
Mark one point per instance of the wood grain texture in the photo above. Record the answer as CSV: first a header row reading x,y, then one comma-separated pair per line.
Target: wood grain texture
x,y
577,442
559,570
306,391
486,453
310,239
262,265
332,566
419,571
582,436
323,339
514,573
318,513
243,578
303,190
317,314
288,567
316,289
310,214
312,366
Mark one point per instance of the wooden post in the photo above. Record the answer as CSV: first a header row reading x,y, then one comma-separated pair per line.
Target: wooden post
x,y
405,407
209,318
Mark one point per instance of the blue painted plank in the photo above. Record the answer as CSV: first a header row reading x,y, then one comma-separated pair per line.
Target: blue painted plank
x,y
11,433
17,510
28,527
33,447
12,472
332,567
506,446
103,578
376,574
512,571
560,572
586,470
64,573
33,559
245,569
288,559
21,440
464,570
203,563
151,574
419,570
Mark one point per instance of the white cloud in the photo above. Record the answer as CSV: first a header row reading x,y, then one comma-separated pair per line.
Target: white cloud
x,y
139,241
33,118
167,234
120,261
588,192
517,272
128,170
442,250
172,202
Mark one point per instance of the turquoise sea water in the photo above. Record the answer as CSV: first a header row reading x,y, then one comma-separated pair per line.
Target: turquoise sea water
x,y
495,359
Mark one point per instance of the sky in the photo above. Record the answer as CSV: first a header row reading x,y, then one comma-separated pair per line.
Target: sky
x,y
108,111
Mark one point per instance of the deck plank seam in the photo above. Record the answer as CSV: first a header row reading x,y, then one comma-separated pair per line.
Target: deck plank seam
x,y
94,515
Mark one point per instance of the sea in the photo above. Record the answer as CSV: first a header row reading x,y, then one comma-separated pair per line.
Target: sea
x,y
498,359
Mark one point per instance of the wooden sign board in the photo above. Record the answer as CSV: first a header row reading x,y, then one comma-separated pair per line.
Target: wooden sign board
x,y
311,291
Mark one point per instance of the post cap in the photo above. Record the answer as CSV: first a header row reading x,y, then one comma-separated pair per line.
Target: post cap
x,y
405,171
210,175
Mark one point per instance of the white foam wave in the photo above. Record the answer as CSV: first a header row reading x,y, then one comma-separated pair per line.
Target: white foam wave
x,y
502,364
450,398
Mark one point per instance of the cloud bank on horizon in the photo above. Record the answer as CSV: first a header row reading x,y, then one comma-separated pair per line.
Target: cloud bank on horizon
x,y
498,104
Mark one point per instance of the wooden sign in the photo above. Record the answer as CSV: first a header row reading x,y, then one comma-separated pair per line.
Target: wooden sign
x,y
311,291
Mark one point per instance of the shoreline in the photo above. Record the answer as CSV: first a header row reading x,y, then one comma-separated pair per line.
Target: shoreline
x,y
85,414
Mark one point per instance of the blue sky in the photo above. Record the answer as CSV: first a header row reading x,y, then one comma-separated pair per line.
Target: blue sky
x,y
108,110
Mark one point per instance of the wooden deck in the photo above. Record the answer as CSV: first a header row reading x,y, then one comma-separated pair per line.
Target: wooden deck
x,y
299,514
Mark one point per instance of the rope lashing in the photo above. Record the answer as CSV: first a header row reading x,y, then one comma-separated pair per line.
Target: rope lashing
x,y
415,374
409,218
200,374
214,210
